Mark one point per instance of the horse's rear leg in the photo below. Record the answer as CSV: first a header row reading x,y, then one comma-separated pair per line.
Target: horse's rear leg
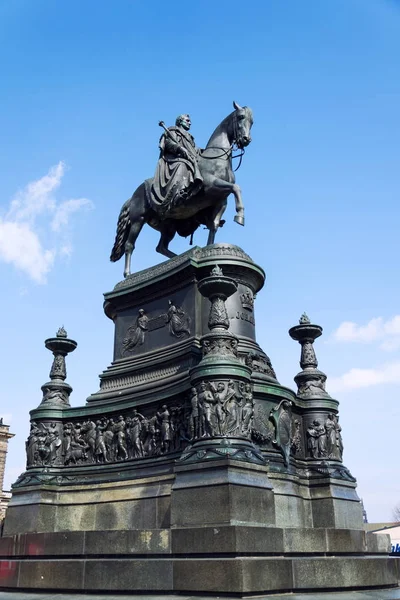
x,y
134,231
215,222
167,235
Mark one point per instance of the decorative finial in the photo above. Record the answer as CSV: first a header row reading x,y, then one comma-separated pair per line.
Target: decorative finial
x,y
216,271
56,391
310,381
304,319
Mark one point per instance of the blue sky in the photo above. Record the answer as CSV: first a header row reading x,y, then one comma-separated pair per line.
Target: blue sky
x,y
83,87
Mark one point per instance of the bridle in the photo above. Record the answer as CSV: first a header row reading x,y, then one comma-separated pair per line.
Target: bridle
x,y
228,152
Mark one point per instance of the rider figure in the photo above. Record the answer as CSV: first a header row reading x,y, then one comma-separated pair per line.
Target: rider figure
x,y
177,177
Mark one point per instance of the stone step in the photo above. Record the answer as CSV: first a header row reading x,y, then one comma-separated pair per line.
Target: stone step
x,y
226,540
234,576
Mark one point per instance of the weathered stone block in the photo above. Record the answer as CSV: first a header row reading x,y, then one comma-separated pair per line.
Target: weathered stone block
x,y
78,517
50,544
257,540
51,574
128,575
135,514
378,543
266,574
345,541
156,541
304,540
236,575
222,492
227,539
30,518
343,572
7,545
9,573
336,513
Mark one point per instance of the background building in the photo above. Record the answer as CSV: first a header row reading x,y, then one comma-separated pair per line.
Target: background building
x,y
5,435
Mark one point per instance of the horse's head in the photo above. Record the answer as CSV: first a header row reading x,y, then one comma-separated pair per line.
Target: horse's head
x,y
242,122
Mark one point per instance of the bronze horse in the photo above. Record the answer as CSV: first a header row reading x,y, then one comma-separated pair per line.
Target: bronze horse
x,y
205,208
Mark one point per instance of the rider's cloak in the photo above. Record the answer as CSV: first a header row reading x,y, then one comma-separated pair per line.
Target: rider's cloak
x,y
176,179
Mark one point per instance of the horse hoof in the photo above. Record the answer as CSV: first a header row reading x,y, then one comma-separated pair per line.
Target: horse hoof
x,y
239,219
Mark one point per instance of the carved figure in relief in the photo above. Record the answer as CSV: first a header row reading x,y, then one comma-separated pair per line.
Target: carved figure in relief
x,y
220,392
312,442
178,427
52,444
135,428
260,363
42,450
330,428
88,432
32,444
75,447
136,333
339,441
43,446
206,400
151,433
322,440
247,300
178,321
314,386
165,428
248,411
233,408
55,396
120,439
194,420
55,444
67,436
109,439
317,440
100,447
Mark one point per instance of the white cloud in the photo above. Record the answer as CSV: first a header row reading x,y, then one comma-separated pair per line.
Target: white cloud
x,y
20,246
22,242
361,378
376,330
36,198
66,209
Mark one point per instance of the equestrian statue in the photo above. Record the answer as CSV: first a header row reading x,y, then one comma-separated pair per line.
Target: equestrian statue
x,y
190,186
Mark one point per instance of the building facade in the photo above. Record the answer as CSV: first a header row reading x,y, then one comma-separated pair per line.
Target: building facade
x,y
5,435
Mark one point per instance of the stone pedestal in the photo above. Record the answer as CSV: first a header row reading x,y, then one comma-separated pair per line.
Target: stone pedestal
x,y
191,470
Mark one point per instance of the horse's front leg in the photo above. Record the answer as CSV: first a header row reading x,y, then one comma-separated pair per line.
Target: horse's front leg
x,y
232,188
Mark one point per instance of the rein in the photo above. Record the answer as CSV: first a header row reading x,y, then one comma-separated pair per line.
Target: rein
x,y
228,153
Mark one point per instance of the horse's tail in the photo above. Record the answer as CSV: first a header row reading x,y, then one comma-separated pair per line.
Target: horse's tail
x,y
123,226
